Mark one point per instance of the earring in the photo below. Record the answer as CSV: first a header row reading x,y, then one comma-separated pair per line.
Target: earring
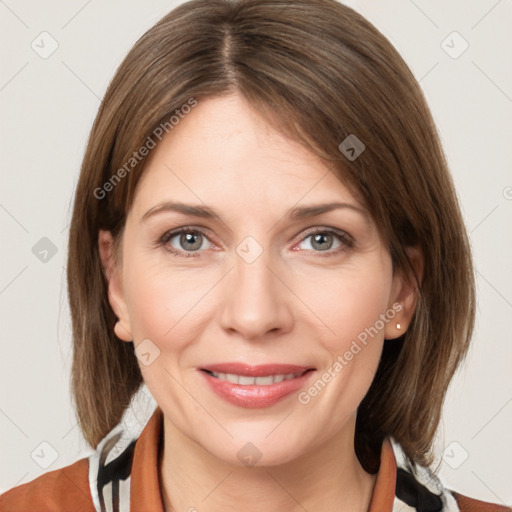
x,y
398,326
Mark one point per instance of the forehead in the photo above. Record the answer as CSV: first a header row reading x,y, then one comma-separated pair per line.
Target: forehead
x,y
225,154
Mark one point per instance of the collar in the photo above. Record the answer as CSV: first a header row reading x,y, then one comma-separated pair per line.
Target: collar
x,y
123,473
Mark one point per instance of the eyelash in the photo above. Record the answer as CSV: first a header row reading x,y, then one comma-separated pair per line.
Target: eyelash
x,y
345,239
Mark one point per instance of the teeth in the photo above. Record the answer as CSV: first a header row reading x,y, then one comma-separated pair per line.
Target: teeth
x,y
245,380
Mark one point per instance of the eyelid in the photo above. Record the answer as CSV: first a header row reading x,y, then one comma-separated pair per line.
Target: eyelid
x,y
326,229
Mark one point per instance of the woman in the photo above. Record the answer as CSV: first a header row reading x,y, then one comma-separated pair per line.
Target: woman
x,y
299,349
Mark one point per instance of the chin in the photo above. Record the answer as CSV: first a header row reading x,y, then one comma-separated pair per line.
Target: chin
x,y
256,448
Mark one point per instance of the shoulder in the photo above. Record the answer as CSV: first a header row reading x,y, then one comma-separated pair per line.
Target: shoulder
x,y
419,488
61,490
466,504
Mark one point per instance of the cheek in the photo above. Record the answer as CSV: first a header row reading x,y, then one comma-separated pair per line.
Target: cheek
x,y
347,303
164,305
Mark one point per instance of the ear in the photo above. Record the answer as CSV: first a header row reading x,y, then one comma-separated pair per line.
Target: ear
x,y
404,297
113,275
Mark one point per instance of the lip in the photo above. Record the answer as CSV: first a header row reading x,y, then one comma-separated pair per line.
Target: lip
x,y
255,396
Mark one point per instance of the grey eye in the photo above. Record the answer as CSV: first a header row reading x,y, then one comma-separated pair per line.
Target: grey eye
x,y
187,241
322,241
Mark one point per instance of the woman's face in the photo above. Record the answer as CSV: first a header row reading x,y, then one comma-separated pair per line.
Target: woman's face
x,y
250,283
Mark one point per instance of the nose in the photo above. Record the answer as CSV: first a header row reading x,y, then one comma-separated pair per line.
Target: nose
x,y
256,301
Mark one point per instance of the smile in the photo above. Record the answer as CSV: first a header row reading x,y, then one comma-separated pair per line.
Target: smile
x,y
245,380
255,387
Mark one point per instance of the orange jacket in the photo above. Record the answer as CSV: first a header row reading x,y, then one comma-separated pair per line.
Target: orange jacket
x,y
69,489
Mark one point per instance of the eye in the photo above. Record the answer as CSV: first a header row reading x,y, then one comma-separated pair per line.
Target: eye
x,y
188,242
184,242
323,240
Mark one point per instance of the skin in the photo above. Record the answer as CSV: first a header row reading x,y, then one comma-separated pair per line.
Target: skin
x,y
294,304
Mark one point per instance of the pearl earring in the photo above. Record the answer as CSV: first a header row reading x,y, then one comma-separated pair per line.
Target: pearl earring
x,y
398,326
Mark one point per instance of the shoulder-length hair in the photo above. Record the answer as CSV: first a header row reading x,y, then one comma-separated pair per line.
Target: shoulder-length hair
x,y
319,72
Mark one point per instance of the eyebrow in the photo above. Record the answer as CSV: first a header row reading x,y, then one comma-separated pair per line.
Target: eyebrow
x,y
206,212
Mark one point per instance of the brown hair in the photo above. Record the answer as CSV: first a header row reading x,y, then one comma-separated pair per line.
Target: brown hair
x,y
320,72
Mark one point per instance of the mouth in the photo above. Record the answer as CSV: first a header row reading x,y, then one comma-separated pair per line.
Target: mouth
x,y
255,386
247,380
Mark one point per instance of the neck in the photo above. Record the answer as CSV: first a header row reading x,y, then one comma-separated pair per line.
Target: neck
x,y
328,478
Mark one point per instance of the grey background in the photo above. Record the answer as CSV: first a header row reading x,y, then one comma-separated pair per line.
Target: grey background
x,y
48,105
